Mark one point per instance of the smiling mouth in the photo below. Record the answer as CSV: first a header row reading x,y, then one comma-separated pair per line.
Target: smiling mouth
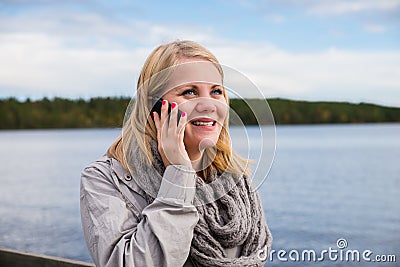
x,y
203,123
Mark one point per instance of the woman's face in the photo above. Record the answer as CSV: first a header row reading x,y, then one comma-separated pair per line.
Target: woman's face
x,y
196,88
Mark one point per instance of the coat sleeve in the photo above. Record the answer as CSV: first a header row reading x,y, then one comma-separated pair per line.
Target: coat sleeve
x,y
160,236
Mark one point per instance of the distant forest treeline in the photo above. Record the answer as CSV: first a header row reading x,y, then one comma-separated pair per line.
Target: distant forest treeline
x,y
109,112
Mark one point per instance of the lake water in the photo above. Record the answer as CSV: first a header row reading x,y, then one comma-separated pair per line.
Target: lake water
x,y
327,182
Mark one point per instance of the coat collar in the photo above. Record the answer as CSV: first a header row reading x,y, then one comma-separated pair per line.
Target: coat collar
x,y
125,176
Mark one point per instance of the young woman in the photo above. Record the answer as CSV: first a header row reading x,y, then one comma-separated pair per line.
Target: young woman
x,y
170,191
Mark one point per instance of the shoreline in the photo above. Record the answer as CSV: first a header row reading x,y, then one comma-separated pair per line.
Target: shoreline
x,y
16,258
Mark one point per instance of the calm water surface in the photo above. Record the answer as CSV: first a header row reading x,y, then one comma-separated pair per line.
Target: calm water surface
x,y
327,182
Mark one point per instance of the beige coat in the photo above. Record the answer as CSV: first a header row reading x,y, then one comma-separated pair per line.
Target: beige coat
x,y
121,229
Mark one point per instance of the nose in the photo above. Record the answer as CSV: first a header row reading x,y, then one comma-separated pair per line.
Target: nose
x,y
206,104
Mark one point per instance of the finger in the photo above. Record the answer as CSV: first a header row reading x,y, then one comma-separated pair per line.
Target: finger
x,y
164,119
156,119
157,123
173,119
181,126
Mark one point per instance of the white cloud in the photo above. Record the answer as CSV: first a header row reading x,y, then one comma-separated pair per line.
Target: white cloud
x,y
89,29
276,18
338,7
331,7
41,64
77,54
374,28
372,76
38,63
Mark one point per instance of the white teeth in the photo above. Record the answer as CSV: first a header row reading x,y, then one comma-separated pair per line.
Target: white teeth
x,y
201,123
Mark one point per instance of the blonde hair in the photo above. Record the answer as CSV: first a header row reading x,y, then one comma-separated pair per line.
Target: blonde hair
x,y
140,126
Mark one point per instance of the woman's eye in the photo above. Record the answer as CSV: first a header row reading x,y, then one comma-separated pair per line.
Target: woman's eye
x,y
189,92
217,91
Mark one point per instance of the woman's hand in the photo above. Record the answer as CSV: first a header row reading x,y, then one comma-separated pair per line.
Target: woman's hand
x,y
170,135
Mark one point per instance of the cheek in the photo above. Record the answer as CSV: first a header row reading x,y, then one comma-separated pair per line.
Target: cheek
x,y
186,107
222,111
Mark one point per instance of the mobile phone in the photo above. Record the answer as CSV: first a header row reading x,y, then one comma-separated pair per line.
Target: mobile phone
x,y
156,106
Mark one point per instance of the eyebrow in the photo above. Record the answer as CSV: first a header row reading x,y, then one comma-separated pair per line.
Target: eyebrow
x,y
183,86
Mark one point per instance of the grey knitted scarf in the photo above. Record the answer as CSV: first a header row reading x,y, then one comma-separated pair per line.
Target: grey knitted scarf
x,y
234,219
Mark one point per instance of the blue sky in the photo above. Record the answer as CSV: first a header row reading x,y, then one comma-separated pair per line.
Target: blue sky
x,y
331,50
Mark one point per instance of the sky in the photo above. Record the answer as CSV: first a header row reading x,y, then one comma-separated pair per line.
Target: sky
x,y
331,50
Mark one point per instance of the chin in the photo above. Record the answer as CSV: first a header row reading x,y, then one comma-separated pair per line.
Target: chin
x,y
207,143
201,143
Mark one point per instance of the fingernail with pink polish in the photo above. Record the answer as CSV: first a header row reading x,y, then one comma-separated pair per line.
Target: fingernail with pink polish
x,y
183,114
163,102
173,105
